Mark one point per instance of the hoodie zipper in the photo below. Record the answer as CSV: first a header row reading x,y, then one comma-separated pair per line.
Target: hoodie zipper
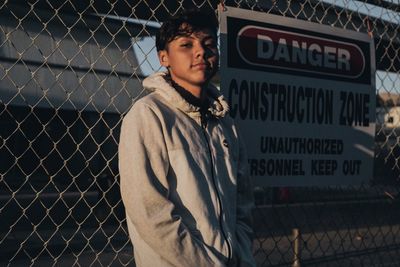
x,y
203,127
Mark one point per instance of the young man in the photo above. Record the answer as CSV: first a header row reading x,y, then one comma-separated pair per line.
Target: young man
x,y
184,181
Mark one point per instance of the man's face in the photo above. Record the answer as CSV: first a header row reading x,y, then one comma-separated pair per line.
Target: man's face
x,y
192,60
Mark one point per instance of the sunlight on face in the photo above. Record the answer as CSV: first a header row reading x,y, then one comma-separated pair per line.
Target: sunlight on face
x,y
192,60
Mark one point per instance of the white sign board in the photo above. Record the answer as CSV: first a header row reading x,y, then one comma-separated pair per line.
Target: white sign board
x,y
303,95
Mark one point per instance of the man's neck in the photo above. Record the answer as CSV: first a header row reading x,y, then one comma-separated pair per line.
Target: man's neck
x,y
195,91
194,99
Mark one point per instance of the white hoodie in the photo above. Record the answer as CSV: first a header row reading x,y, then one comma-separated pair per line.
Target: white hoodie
x,y
184,183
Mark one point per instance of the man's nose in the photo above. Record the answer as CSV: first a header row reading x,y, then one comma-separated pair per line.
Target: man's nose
x,y
200,51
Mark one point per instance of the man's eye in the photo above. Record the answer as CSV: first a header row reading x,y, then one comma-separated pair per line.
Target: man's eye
x,y
186,45
210,45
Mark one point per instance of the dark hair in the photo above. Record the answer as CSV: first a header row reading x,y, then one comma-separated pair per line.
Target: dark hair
x,y
184,24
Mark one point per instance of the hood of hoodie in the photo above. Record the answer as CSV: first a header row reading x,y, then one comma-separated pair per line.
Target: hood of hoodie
x,y
157,83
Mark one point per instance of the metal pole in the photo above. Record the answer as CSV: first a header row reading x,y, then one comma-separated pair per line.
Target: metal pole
x,y
296,247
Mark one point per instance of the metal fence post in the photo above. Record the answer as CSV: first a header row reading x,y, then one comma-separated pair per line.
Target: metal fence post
x,y
296,247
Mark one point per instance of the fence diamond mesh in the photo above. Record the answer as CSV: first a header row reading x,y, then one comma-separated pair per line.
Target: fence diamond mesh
x,y
69,72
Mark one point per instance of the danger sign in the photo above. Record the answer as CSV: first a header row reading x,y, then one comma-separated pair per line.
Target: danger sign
x,y
303,95
289,50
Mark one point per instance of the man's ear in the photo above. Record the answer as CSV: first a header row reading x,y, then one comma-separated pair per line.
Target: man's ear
x,y
163,57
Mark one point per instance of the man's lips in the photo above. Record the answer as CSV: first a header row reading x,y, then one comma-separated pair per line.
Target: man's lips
x,y
202,66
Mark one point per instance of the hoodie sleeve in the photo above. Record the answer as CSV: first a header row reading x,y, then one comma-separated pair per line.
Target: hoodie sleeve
x,y
245,204
143,165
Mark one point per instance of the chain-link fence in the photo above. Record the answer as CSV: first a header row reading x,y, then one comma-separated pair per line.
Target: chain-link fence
x,y
71,69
